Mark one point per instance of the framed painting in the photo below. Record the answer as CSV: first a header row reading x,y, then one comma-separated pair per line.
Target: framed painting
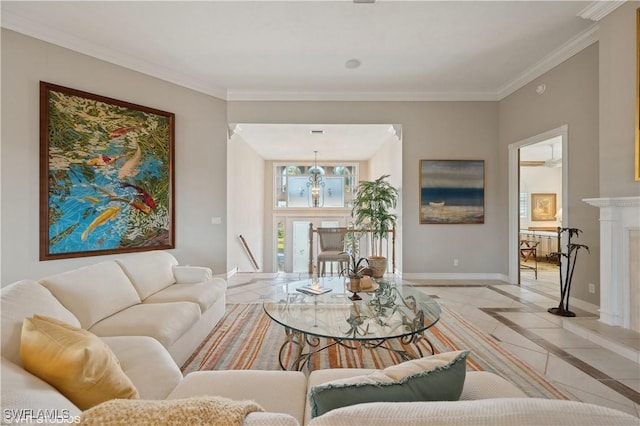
x,y
543,207
106,175
637,132
451,191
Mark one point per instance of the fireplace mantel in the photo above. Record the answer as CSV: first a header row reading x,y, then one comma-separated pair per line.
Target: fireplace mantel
x,y
619,258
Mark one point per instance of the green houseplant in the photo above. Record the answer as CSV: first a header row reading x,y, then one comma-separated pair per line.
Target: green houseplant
x,y
356,267
371,210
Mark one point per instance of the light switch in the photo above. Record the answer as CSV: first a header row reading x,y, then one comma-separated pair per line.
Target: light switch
x,y
216,220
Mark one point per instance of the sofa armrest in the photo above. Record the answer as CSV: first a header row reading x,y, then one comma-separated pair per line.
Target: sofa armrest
x,y
269,419
486,385
191,274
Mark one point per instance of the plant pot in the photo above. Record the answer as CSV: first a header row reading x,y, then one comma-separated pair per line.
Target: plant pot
x,y
354,284
378,265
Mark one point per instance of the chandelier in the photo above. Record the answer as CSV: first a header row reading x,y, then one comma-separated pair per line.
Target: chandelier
x,y
315,185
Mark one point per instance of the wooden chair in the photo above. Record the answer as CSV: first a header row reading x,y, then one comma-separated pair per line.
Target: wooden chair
x,y
529,250
331,249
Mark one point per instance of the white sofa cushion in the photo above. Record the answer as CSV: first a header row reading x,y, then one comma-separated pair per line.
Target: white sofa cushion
x,y
22,390
484,385
501,411
275,391
150,271
262,418
165,322
23,299
93,292
191,274
204,294
147,363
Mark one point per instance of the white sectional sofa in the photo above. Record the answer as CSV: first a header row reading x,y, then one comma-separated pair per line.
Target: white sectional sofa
x,y
153,314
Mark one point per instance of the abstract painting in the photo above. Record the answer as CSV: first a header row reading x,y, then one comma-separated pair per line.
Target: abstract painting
x,y
451,191
106,175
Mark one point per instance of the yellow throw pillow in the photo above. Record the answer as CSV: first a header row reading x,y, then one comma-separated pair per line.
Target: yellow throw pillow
x,y
74,361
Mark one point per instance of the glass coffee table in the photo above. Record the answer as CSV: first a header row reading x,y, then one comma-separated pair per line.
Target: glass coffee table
x,y
393,310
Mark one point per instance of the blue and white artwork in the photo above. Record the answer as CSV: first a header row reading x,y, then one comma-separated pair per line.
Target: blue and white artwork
x,y
451,191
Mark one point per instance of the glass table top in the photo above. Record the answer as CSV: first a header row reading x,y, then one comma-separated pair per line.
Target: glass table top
x,y
393,310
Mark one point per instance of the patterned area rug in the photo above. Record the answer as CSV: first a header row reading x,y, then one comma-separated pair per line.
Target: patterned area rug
x,y
246,338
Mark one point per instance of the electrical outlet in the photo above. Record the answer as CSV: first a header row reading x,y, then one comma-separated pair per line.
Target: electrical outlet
x,y
455,262
592,288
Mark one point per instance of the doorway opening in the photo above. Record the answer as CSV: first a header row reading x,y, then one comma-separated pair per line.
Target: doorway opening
x,y
268,171
537,206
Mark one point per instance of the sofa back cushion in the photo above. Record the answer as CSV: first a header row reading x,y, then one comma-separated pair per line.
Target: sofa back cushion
x,y
150,271
22,391
93,292
23,299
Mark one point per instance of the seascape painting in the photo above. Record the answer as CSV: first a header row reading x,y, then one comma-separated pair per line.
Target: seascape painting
x,y
106,175
451,191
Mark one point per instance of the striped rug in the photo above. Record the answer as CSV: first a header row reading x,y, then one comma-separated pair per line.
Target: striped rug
x,y
247,339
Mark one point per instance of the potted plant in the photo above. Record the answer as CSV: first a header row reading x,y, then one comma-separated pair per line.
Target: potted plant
x,y
354,271
372,210
356,266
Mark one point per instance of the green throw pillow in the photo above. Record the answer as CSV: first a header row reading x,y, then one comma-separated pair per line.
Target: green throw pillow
x,y
434,378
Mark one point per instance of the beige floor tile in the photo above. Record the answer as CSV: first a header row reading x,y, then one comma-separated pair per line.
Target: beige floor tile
x,y
609,363
529,320
585,388
563,338
511,337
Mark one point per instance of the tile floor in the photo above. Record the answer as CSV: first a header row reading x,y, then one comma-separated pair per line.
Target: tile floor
x,y
585,363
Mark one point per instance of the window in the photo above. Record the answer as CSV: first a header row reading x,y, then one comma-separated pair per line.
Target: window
x,y
524,205
294,184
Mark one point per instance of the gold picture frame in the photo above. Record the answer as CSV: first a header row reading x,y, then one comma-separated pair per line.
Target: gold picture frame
x,y
543,207
637,152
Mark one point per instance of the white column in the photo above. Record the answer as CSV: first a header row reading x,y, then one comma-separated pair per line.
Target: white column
x,y
618,217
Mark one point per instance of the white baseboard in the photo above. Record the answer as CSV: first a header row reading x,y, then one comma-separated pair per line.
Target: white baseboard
x,y
232,272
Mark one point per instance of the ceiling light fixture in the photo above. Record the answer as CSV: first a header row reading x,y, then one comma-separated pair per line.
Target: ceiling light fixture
x,y
316,185
352,64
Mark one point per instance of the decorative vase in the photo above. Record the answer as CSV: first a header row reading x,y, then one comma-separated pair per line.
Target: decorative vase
x,y
354,287
378,265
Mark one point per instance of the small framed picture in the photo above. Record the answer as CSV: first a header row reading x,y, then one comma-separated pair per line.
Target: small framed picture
x,y
543,207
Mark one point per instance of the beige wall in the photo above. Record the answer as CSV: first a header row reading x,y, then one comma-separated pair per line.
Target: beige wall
x,y
430,130
245,206
200,173
571,98
388,161
617,102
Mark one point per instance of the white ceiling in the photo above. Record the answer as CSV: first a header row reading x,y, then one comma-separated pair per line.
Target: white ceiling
x,y
348,142
550,149
409,50
297,50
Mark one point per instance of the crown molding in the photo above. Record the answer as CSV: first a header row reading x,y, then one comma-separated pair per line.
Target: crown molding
x,y
28,27
552,60
241,95
599,9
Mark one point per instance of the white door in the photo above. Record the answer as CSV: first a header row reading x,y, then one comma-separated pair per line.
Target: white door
x,y
300,246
